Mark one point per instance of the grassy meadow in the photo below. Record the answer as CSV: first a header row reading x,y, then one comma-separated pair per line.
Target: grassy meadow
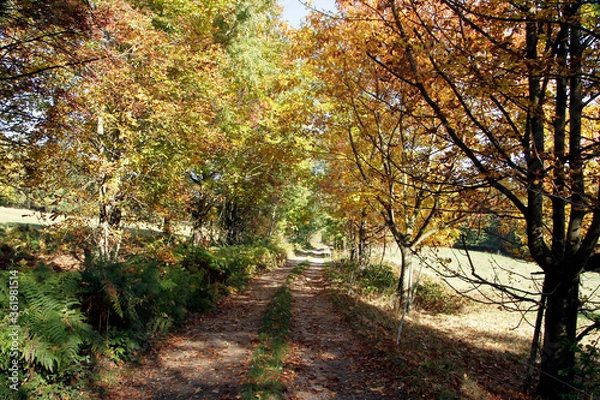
x,y
442,263
452,347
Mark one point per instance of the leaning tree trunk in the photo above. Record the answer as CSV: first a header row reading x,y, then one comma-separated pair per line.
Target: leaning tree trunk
x,y
560,333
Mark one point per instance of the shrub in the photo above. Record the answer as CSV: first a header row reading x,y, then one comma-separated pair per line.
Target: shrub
x,y
434,297
374,279
129,301
342,272
378,279
19,243
587,365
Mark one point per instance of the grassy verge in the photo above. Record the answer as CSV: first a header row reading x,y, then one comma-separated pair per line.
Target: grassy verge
x,y
440,356
264,377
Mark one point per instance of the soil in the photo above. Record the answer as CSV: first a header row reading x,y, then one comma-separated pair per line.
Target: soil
x,y
210,358
327,360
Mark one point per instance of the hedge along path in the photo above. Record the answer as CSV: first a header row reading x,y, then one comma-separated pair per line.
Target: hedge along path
x,y
327,360
210,358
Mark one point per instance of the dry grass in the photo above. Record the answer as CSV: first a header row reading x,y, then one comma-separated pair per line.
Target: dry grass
x,y
23,216
478,353
465,356
505,270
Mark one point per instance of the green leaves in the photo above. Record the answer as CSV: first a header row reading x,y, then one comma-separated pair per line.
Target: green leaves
x,y
53,329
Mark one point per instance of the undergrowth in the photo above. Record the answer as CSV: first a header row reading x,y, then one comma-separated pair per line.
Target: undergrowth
x,y
435,298
371,281
71,322
379,283
428,362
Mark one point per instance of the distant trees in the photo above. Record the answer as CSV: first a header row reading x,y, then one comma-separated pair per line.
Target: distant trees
x,y
380,132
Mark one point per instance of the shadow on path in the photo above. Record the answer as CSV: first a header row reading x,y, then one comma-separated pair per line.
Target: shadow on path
x,y
327,360
208,360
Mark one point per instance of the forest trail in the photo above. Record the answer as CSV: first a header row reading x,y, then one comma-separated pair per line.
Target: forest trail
x,y
327,359
210,359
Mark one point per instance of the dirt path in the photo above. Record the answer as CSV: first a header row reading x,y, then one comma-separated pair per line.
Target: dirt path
x,y
327,360
210,360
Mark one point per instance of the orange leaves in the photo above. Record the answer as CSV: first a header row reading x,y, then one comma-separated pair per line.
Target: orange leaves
x,y
386,152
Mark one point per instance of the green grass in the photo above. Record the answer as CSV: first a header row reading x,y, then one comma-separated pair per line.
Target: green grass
x,y
263,380
264,377
297,271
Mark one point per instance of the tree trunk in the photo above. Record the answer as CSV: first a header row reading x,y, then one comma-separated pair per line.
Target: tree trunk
x,y
405,283
231,219
363,245
167,228
353,247
110,229
272,223
200,212
535,344
560,325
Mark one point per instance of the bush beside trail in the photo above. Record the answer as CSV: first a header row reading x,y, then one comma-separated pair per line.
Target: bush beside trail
x,y
380,282
73,321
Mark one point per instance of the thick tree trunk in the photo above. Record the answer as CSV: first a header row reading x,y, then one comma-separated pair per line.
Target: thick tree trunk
x,y
558,358
352,245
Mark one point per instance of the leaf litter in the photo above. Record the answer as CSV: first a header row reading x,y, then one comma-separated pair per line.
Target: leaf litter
x,y
209,358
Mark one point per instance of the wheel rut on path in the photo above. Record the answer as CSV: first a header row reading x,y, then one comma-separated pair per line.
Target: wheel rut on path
x,y
209,359
327,360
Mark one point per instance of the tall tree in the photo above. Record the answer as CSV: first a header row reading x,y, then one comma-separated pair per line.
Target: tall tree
x,y
409,175
124,130
39,40
515,86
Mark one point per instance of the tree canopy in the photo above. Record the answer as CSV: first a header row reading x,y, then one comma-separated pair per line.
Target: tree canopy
x,y
398,118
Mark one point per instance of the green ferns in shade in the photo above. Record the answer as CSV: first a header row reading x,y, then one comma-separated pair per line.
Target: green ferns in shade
x,y
53,331
53,328
68,320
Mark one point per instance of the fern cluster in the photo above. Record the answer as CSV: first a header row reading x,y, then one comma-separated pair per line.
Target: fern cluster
x,y
53,332
68,320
